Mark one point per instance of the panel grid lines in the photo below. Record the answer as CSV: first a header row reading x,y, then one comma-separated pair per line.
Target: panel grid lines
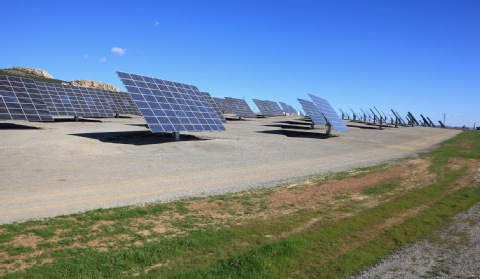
x,y
327,110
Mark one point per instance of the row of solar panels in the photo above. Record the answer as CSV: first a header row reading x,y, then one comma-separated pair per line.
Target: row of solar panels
x,y
26,99
393,117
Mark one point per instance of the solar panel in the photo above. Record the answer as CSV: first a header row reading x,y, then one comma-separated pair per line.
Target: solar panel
x,y
170,106
121,103
214,106
312,110
287,108
273,108
240,107
345,115
21,100
332,117
263,107
223,105
68,100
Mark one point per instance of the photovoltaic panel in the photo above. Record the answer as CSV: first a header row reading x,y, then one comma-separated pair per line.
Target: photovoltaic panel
x,y
312,110
273,108
240,107
68,100
287,108
262,107
223,105
21,100
332,117
170,106
214,106
344,114
121,103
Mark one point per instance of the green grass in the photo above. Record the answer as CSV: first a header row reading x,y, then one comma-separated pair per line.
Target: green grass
x,y
197,247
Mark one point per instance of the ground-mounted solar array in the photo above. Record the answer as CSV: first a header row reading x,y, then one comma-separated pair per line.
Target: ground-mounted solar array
x,y
240,107
170,106
327,110
223,105
288,109
312,111
21,100
268,108
214,106
69,100
121,103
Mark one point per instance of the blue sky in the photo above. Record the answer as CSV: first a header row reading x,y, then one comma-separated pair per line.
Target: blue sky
x,y
418,56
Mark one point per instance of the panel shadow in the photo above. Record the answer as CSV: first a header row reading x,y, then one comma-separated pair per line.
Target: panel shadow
x,y
137,137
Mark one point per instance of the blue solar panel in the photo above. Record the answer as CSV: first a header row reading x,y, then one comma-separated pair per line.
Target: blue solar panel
x,y
170,106
327,110
21,100
121,103
223,105
312,110
214,106
240,107
287,108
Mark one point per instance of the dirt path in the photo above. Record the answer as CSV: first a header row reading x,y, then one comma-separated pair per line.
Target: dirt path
x,y
68,167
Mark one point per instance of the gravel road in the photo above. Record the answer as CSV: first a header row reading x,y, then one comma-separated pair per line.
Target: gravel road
x,y
449,253
66,167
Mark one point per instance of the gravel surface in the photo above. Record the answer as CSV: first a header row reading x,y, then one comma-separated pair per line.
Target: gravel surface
x,y
450,253
67,167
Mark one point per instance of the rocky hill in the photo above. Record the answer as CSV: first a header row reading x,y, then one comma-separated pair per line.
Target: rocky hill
x,y
42,75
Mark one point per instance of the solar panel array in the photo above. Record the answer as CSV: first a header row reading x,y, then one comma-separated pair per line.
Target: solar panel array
x,y
287,108
68,100
223,105
268,108
21,100
311,110
214,106
170,106
327,110
121,103
240,107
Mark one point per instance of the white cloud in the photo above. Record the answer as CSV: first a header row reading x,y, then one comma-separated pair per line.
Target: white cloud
x,y
156,22
118,50
102,60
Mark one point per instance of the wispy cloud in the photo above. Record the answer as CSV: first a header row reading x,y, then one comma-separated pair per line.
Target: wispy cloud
x,y
156,22
118,51
102,60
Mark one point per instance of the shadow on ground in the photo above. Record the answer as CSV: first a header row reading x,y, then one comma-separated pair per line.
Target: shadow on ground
x,y
12,126
137,137
297,134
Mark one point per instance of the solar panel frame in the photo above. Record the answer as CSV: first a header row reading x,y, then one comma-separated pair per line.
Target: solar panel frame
x,y
170,107
273,108
240,107
21,100
313,112
330,114
214,106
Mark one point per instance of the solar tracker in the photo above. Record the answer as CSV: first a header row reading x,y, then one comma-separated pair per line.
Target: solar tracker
x,y
121,103
21,100
332,117
355,115
312,110
273,108
223,105
287,108
170,106
267,108
240,107
68,100
214,106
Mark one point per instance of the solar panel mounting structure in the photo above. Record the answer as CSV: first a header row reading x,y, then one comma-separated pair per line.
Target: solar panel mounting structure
x,y
313,112
287,108
240,107
20,99
171,107
354,115
214,106
264,107
273,108
332,117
